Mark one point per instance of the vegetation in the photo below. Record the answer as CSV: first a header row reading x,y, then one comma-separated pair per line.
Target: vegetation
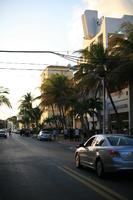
x,y
29,114
3,98
79,97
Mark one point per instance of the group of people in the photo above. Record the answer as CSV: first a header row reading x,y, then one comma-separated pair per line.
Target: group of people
x,y
72,134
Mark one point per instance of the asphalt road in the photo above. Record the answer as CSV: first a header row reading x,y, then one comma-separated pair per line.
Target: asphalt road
x,y
34,170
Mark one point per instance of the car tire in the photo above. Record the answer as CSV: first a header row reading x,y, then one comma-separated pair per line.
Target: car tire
x,y
77,161
99,168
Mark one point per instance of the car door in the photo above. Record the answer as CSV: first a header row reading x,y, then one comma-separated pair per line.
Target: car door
x,y
84,153
94,150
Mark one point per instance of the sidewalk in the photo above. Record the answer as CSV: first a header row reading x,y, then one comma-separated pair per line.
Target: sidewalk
x,y
69,144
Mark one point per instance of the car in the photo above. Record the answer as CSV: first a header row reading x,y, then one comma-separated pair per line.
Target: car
x,y
3,133
106,153
44,135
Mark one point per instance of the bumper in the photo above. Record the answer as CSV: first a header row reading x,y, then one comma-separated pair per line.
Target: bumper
x,y
119,166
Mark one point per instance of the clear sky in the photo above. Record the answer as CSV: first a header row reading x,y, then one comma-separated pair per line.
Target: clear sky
x,y
43,25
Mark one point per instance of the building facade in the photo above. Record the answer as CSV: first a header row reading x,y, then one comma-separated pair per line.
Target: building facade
x,y
100,31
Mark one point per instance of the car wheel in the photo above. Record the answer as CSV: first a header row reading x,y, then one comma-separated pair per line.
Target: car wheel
x,y
99,168
77,161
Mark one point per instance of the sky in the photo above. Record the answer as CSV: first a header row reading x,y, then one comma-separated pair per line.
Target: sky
x,y
42,25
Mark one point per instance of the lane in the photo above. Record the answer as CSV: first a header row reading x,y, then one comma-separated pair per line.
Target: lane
x,y
32,173
30,169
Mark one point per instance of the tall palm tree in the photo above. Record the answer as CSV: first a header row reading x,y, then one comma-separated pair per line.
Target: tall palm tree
x,y
26,108
3,99
56,92
99,64
123,47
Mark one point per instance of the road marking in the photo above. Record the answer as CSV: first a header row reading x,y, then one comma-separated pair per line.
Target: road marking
x,y
100,189
106,189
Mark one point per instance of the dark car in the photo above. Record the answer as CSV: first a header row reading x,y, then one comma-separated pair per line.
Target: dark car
x,y
106,153
3,133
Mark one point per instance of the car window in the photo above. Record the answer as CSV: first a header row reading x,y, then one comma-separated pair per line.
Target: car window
x,y
120,141
45,132
100,141
90,142
103,143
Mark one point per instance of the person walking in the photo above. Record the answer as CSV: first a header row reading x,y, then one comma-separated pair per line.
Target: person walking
x,y
76,134
65,133
54,134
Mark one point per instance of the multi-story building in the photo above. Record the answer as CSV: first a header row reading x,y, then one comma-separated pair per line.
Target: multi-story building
x,y
100,31
50,70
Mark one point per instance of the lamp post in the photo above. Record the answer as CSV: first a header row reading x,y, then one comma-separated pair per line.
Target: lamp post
x,y
104,102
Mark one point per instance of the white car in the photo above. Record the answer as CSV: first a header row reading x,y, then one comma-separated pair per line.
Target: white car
x,y
106,153
3,133
44,135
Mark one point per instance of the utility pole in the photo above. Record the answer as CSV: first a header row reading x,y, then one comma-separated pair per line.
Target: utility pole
x,y
104,103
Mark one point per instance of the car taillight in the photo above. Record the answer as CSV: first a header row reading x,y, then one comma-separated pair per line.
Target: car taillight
x,y
114,153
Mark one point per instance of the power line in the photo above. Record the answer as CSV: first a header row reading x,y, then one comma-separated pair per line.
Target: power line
x,y
21,63
21,69
65,56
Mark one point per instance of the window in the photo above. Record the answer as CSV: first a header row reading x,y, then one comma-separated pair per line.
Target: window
x,y
120,141
100,141
90,142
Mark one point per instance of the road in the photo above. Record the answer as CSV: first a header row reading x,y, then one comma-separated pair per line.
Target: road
x,y
34,170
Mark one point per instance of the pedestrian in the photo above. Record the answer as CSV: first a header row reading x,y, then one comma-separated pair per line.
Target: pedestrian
x,y
9,131
54,134
65,133
76,134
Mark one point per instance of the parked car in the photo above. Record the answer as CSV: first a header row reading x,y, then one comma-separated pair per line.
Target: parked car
x,y
106,153
3,133
44,135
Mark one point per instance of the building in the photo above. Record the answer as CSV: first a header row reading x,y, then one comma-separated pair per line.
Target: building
x,y
50,70
100,31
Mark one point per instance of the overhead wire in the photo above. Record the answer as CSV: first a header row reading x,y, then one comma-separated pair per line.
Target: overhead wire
x,y
66,56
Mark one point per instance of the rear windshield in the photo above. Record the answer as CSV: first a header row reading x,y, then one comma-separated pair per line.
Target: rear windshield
x,y
120,141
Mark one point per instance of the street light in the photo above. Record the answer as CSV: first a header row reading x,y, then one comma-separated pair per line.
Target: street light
x,y
104,101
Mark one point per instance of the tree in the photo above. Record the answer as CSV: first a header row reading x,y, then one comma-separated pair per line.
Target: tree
x,y
26,108
3,99
99,64
122,47
56,92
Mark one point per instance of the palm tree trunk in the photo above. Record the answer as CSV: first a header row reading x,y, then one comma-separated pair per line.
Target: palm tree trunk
x,y
61,117
54,115
114,107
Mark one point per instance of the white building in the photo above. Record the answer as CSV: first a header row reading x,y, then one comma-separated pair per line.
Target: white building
x,y
100,30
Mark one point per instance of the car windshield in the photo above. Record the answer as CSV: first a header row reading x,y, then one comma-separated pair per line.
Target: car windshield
x,y
45,132
120,140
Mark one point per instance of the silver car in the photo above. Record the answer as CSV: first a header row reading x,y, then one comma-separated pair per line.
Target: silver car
x,y
44,135
106,153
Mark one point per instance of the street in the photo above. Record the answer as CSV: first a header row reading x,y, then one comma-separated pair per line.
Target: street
x,y
34,170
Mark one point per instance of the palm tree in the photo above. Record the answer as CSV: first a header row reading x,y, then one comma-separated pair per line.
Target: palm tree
x,y
99,64
26,108
56,92
123,47
3,99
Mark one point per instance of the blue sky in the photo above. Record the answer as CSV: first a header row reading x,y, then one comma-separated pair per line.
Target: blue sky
x,y
43,25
